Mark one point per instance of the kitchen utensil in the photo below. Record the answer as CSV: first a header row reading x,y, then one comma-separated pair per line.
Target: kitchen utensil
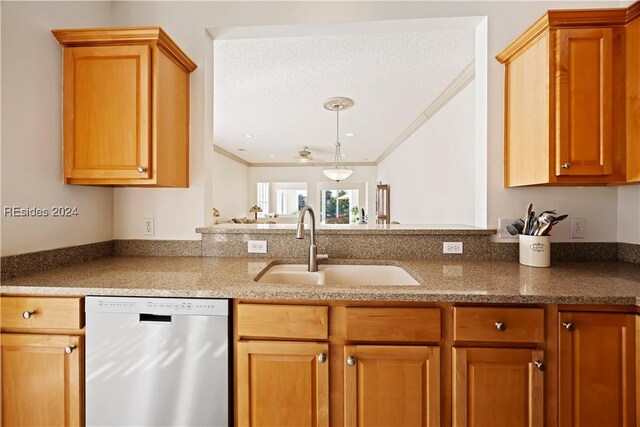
x,y
527,218
545,224
516,227
559,218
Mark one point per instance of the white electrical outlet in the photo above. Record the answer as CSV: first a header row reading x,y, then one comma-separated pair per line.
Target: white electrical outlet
x,y
149,227
577,228
257,246
451,247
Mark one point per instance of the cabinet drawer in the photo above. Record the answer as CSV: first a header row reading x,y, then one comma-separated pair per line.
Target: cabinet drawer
x,y
45,312
393,324
283,321
515,325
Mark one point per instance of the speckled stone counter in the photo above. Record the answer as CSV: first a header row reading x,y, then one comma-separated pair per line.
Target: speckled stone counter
x,y
440,281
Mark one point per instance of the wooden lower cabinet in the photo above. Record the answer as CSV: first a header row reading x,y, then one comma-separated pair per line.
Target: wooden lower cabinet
x,y
282,383
496,387
41,382
391,386
597,369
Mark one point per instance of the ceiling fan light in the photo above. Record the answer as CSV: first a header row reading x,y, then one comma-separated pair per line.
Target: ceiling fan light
x,y
305,159
337,174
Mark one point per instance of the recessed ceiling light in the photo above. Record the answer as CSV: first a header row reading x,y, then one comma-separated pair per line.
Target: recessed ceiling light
x,y
349,134
343,155
248,135
272,155
242,149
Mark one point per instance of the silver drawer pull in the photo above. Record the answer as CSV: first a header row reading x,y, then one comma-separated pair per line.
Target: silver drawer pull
x,y
501,326
540,365
568,326
69,349
351,361
28,314
322,358
141,169
566,166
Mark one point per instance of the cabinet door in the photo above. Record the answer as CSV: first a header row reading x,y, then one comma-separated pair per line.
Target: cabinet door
x,y
633,100
282,384
392,386
584,101
41,383
597,369
106,107
497,387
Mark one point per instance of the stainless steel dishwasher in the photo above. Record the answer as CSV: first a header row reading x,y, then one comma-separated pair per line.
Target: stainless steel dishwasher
x,y
157,362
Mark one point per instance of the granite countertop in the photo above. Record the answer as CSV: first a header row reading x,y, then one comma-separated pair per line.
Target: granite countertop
x,y
440,280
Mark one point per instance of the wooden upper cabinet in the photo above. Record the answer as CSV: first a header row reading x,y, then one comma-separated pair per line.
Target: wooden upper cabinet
x,y
282,384
564,100
391,386
597,369
584,63
633,94
125,107
497,387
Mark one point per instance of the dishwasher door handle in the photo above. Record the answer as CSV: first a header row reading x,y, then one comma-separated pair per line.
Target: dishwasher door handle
x,y
154,318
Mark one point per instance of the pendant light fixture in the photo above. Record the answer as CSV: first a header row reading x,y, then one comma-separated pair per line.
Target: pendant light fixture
x,y
338,171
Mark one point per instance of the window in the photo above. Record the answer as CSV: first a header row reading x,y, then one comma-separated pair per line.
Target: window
x,y
339,206
263,198
289,202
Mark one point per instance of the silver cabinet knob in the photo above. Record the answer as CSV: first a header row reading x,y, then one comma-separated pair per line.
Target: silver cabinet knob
x,y
568,326
501,326
540,365
566,166
28,314
351,361
69,349
322,358
141,169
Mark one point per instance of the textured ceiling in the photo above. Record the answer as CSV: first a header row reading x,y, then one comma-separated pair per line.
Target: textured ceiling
x,y
273,88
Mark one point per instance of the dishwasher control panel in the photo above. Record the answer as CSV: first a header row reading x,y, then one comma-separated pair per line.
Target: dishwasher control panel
x,y
168,306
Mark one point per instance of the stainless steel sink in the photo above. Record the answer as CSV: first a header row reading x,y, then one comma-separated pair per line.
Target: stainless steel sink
x,y
339,275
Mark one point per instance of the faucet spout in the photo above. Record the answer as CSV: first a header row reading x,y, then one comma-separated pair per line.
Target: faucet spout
x,y
313,249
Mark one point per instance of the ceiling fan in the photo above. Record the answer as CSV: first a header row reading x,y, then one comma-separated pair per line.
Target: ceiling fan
x,y
304,155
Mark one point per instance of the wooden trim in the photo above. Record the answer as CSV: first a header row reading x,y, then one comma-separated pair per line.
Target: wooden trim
x,y
587,18
633,12
458,386
555,19
123,36
530,36
551,361
599,308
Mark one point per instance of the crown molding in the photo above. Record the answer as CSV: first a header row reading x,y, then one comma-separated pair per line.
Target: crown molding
x,y
125,36
466,76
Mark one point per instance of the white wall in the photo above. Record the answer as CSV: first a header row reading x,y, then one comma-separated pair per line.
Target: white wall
x,y
31,165
230,188
32,134
316,181
629,214
431,175
186,21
